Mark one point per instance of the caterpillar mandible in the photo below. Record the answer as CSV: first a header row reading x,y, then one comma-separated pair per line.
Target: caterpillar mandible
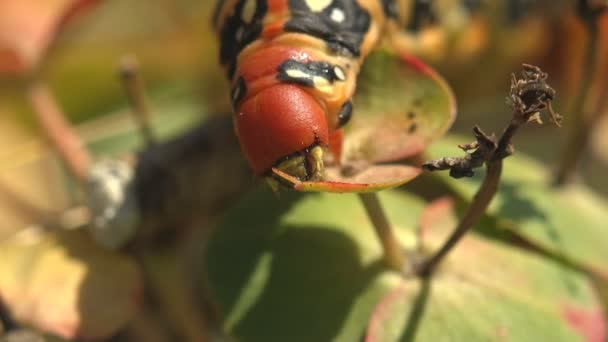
x,y
292,66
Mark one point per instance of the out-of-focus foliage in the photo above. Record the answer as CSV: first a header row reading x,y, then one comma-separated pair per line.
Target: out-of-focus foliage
x,y
67,285
27,28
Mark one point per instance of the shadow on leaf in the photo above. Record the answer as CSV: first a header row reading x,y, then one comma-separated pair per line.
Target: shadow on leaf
x,y
279,281
518,205
308,265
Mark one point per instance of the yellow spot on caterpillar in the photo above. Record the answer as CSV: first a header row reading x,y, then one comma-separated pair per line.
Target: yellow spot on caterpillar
x,y
322,84
318,5
295,73
248,11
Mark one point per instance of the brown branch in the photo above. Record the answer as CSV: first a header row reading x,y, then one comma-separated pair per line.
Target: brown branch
x,y
580,130
528,96
134,86
58,131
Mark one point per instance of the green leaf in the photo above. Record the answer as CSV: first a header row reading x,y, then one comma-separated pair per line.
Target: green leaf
x,y
305,267
485,291
400,106
63,283
569,223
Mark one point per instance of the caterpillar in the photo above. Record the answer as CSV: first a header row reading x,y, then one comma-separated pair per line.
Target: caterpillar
x,y
293,65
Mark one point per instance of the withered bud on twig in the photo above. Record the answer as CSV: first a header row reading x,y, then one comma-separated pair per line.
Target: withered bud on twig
x,y
531,94
459,167
528,96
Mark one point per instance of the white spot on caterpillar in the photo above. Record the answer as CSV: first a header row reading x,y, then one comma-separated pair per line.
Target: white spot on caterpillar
x,y
337,15
340,75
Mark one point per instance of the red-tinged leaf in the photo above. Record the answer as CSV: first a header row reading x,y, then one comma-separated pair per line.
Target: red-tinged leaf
x,y
64,284
590,324
28,27
400,107
486,291
372,179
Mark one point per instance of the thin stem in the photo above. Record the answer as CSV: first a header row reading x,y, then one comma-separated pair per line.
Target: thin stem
x,y
393,254
503,145
528,95
481,201
582,124
58,131
133,83
482,198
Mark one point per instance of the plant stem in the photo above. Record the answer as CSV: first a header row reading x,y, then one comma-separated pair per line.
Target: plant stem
x,y
58,131
393,254
131,78
528,96
480,203
582,124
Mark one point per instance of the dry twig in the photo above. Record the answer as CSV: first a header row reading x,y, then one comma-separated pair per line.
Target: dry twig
x,y
529,95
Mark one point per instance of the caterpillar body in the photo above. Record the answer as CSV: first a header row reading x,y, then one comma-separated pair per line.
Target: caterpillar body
x,y
293,65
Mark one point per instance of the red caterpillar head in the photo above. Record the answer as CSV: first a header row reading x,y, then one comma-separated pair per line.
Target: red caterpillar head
x,y
283,126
